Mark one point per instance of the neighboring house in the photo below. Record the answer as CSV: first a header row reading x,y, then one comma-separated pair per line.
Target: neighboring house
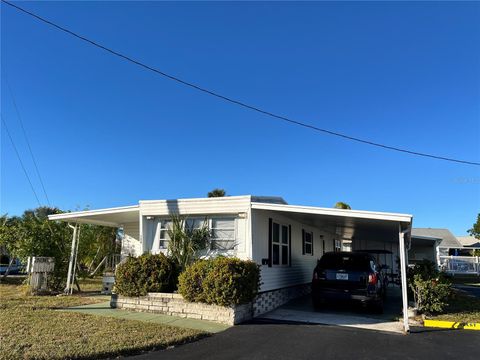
x,y
469,241
285,240
429,243
451,254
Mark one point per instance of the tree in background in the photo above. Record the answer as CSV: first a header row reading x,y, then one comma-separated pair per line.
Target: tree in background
x,y
217,193
32,234
342,205
475,230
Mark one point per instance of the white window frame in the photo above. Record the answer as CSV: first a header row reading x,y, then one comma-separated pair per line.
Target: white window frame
x,y
304,242
280,244
233,229
162,222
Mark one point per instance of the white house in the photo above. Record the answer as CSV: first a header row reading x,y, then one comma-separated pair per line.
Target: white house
x,y
286,240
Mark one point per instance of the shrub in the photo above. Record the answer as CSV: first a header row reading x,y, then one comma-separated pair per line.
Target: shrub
x,y
137,276
431,295
429,288
221,281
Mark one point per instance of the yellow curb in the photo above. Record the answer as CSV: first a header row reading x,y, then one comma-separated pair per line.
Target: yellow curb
x,y
451,324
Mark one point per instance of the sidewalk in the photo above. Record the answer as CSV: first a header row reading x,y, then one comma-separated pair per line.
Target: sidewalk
x,y
104,309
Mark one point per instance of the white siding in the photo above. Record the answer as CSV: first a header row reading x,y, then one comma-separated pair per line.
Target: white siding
x,y
301,269
131,244
221,205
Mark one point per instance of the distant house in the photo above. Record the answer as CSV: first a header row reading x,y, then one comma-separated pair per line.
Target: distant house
x,y
469,241
451,253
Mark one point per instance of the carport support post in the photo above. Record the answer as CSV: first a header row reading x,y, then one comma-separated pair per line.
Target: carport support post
x,y
403,277
68,287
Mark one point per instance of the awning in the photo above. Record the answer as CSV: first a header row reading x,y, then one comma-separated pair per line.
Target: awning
x,y
113,217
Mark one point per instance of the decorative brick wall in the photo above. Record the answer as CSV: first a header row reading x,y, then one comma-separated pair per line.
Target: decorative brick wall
x,y
269,300
175,305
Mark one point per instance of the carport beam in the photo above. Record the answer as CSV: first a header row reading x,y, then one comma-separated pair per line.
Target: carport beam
x,y
403,277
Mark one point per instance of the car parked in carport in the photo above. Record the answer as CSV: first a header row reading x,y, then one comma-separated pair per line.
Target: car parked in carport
x,y
351,276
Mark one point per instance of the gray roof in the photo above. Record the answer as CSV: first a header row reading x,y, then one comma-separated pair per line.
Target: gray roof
x,y
469,241
448,239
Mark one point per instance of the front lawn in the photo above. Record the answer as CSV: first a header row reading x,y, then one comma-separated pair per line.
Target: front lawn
x,y
462,308
32,328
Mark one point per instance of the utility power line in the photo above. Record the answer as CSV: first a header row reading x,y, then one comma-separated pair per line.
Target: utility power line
x,y
238,102
28,142
20,160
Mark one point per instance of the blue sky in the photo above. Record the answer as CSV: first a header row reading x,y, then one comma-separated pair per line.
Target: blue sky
x,y
106,133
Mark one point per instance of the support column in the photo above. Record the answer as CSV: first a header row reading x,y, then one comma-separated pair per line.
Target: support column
x,y
71,263
403,277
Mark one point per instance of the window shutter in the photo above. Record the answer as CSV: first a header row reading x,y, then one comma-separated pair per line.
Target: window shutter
x,y
313,240
289,245
303,242
270,226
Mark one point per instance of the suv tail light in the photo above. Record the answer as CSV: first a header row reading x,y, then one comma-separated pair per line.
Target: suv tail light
x,y
315,275
372,279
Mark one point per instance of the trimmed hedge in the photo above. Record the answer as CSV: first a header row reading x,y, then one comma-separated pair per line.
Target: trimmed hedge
x,y
221,281
137,276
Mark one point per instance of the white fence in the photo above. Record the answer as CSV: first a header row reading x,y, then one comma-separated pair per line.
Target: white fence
x,y
460,264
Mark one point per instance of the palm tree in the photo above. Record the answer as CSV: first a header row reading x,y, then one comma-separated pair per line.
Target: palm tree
x,y
342,205
216,193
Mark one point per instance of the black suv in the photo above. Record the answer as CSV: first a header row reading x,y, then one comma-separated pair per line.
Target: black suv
x,y
348,276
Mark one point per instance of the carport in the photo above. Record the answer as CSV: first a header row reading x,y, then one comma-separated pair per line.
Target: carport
x,y
363,230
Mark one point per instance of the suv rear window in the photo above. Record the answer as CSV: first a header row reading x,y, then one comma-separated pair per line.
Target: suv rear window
x,y
345,262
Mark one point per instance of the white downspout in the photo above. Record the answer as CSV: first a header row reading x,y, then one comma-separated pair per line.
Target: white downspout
x,y
403,277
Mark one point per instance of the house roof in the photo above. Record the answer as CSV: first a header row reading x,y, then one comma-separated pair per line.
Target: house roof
x,y
448,239
469,241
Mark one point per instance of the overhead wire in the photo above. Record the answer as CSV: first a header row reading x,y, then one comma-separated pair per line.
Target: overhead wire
x,y
238,102
27,141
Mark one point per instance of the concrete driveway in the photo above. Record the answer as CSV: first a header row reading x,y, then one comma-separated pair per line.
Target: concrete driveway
x,y
262,340
301,311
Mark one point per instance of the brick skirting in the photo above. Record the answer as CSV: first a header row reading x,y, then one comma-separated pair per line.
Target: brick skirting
x,y
175,305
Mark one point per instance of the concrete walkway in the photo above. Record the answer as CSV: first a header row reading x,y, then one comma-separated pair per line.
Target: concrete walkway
x,y
104,309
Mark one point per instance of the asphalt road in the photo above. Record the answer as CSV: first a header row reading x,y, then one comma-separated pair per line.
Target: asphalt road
x,y
300,341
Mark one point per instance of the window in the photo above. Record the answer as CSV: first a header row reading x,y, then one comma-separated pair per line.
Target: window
x,y
280,244
307,242
223,233
163,227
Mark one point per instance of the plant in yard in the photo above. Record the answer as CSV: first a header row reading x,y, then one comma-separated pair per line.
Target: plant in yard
x,y
431,295
137,276
429,288
186,240
222,281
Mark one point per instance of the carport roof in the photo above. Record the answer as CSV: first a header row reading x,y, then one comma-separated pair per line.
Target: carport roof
x,y
114,217
348,224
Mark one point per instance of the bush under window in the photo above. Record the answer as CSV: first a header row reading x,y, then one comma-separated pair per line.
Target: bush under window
x,y
220,281
137,276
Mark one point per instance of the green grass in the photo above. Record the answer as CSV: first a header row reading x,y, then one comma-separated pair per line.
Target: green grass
x,y
31,327
462,308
